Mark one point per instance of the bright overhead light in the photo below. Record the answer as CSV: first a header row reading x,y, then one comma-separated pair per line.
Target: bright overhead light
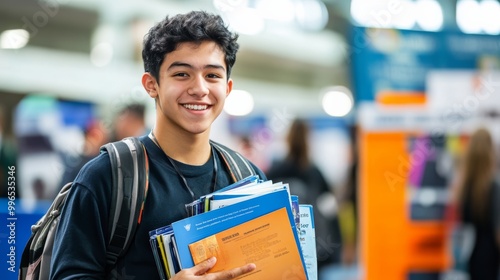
x,y
311,14
101,54
278,10
406,17
229,6
239,103
400,14
478,17
337,101
359,11
429,15
14,39
468,15
102,50
490,15
371,13
384,13
245,20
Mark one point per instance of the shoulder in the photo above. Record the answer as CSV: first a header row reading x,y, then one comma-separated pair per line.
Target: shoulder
x,y
96,176
495,185
99,165
278,168
316,170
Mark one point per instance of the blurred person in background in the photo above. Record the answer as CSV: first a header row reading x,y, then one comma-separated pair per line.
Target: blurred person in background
x,y
248,149
348,206
479,205
309,184
39,188
8,156
95,135
130,122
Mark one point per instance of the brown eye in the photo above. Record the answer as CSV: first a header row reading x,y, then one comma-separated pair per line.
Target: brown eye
x,y
213,76
180,75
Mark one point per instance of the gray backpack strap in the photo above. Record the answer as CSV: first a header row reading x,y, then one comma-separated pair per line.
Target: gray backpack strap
x,y
129,167
239,166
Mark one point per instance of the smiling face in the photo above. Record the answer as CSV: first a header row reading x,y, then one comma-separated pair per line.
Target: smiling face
x,y
192,88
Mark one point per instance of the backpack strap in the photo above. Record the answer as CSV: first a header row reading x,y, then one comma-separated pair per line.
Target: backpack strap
x,y
239,166
129,166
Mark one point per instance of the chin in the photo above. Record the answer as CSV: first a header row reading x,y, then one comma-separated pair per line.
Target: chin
x,y
195,129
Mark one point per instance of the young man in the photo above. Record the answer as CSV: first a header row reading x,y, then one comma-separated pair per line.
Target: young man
x,y
188,60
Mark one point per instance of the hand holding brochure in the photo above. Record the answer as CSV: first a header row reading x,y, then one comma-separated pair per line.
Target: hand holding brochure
x,y
258,229
257,241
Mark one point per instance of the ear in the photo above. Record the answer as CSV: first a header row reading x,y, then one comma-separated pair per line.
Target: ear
x,y
150,85
229,87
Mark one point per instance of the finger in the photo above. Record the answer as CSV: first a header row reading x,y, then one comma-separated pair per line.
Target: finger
x,y
204,266
235,272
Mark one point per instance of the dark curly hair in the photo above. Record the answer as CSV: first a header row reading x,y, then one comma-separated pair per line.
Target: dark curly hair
x,y
195,27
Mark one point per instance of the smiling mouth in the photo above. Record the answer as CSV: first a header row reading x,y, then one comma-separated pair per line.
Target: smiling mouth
x,y
195,107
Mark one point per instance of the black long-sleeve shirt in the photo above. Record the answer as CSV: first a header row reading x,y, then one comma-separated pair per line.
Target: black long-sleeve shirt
x,y
80,244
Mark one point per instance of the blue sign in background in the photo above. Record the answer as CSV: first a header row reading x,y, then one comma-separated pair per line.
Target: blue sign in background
x,y
399,60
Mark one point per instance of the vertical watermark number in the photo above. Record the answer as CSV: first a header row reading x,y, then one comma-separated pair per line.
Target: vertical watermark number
x,y
11,219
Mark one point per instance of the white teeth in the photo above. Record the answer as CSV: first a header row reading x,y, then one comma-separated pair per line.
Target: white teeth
x,y
195,107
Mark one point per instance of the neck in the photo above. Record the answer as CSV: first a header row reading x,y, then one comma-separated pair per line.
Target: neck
x,y
188,149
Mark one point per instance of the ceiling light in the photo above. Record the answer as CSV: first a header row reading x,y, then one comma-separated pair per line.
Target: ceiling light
x,y
358,11
468,13
14,39
337,101
429,15
239,103
380,13
229,5
311,14
245,20
490,15
101,54
278,10
405,18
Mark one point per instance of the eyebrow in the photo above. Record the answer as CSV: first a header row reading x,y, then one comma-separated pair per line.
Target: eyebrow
x,y
183,64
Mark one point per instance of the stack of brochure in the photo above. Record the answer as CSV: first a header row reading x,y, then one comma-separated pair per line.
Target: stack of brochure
x,y
250,221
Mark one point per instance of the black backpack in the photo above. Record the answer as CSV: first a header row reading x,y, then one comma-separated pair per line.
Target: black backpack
x,y
129,165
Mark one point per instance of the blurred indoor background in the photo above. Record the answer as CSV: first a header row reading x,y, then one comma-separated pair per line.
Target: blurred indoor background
x,y
392,89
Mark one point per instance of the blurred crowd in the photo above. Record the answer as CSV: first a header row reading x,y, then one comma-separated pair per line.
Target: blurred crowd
x,y
38,149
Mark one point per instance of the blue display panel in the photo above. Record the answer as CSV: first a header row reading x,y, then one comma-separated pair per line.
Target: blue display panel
x,y
399,60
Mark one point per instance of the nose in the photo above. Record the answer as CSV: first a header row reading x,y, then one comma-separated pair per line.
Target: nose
x,y
198,87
